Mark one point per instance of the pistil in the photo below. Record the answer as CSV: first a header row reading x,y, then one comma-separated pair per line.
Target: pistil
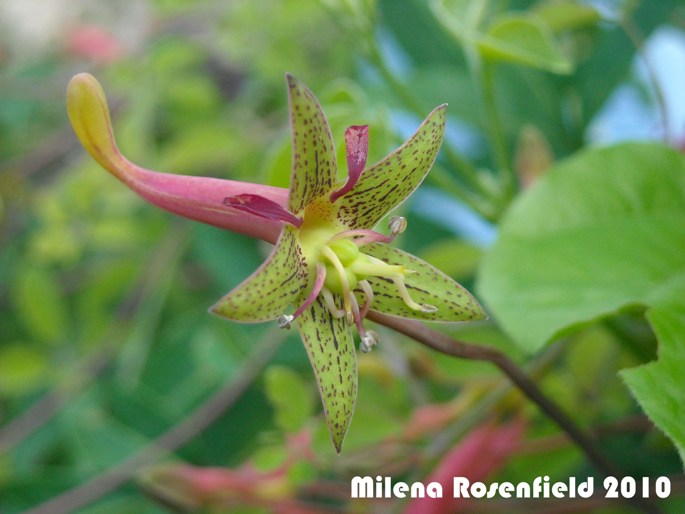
x,y
397,225
332,257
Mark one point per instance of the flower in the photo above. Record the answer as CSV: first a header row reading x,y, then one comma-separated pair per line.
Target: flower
x,y
328,267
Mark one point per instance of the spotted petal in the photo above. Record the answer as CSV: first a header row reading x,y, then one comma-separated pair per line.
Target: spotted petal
x,y
269,291
426,286
314,166
331,351
389,182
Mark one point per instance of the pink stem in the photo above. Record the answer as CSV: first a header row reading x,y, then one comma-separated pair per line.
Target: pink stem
x,y
318,286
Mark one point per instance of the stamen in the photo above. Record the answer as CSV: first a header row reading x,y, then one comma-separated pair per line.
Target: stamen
x,y
285,320
333,258
330,303
357,315
367,236
369,340
368,293
357,149
374,267
262,207
397,225
404,294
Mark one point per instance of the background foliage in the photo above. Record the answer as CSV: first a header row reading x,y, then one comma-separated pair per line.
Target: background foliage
x,y
105,341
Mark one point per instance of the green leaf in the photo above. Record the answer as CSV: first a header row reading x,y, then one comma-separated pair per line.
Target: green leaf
x,y
426,286
599,232
567,15
658,386
314,167
526,40
523,39
386,184
602,231
331,351
290,397
269,291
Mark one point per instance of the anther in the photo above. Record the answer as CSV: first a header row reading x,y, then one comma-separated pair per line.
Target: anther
x,y
370,339
397,225
285,321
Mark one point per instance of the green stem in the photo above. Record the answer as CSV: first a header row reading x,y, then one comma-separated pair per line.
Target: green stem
x,y
498,141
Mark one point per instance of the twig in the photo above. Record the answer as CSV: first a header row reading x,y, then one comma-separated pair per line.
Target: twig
x,y
174,438
450,346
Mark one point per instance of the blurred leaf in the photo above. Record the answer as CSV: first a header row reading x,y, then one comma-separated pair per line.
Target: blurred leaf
x,y
22,369
290,396
279,162
270,457
563,15
211,146
380,409
456,258
39,303
523,40
96,438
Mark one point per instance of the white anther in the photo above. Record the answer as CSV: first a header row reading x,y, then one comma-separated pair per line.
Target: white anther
x,y
370,339
428,308
285,321
397,225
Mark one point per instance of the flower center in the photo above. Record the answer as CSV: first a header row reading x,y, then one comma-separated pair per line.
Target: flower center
x,y
343,269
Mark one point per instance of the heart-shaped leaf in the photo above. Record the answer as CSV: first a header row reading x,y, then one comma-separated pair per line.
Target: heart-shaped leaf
x,y
600,232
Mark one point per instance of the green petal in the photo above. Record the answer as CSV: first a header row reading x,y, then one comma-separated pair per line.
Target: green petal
x,y
389,182
267,293
427,286
314,168
331,351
